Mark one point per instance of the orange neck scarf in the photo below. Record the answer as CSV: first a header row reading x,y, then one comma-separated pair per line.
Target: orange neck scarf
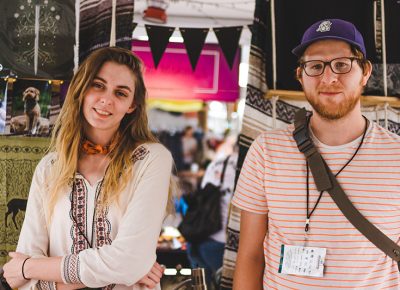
x,y
90,148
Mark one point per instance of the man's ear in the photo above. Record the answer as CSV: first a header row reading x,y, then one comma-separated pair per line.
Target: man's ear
x,y
367,73
299,75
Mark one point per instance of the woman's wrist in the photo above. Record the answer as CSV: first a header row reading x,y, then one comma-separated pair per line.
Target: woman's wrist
x,y
23,269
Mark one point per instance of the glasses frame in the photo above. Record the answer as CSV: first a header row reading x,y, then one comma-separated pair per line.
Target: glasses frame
x,y
352,58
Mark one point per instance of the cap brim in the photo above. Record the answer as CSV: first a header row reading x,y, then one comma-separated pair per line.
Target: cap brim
x,y
299,50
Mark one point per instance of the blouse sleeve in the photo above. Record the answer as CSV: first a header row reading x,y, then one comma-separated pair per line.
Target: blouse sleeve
x,y
33,239
133,251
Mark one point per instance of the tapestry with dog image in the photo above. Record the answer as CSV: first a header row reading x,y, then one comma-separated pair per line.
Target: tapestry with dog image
x,y
31,103
3,105
18,159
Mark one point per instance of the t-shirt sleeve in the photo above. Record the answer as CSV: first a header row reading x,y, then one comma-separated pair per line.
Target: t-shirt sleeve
x,y
250,189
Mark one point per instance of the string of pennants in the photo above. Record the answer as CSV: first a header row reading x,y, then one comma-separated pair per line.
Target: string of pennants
x,y
194,39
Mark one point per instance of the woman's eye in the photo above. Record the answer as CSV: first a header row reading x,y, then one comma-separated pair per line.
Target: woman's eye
x,y
97,85
121,94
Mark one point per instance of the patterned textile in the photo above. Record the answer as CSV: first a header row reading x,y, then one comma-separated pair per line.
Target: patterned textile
x,y
37,38
262,114
70,269
95,25
18,159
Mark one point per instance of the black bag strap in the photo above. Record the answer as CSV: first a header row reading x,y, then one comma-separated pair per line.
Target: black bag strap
x,y
223,170
325,180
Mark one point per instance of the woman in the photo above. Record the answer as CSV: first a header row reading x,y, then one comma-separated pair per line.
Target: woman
x,y
98,199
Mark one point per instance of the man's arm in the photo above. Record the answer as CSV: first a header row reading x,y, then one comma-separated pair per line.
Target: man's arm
x,y
250,261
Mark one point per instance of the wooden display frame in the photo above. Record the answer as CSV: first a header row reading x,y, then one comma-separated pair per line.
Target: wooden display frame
x,y
366,101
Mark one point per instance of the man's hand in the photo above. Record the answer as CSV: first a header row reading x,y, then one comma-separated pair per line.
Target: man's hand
x,y
151,279
13,270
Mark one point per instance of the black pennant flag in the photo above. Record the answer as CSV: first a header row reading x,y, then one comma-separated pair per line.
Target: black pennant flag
x,y
134,25
194,39
250,26
158,40
228,39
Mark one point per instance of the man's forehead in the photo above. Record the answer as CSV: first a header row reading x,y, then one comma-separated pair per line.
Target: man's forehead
x,y
328,48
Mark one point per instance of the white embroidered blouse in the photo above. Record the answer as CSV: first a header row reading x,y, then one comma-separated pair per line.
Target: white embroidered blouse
x,y
123,237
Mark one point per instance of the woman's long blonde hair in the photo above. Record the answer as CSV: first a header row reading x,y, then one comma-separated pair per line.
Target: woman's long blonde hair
x,y
68,131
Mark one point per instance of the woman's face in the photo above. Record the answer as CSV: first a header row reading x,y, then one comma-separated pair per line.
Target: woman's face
x,y
109,98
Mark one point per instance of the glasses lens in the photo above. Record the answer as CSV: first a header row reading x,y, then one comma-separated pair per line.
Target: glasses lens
x,y
341,65
313,67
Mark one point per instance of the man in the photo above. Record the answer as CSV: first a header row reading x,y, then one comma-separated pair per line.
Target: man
x,y
291,235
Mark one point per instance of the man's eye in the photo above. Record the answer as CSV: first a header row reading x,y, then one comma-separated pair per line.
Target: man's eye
x,y
341,65
316,66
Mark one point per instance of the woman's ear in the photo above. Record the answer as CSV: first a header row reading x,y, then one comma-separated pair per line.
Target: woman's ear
x,y
131,109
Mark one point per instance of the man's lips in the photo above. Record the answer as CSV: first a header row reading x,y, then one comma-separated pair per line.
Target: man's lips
x,y
329,93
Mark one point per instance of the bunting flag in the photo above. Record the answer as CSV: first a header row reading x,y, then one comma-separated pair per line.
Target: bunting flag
x,y
194,39
134,25
158,40
95,25
228,39
250,26
37,38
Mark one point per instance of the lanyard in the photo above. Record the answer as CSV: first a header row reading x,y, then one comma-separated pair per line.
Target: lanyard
x,y
308,215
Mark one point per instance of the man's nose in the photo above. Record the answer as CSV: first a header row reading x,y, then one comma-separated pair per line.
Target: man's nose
x,y
328,76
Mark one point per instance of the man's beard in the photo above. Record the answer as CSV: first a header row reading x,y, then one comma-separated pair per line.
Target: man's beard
x,y
335,111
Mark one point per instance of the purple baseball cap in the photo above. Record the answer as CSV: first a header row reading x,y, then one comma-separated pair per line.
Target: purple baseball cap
x,y
331,29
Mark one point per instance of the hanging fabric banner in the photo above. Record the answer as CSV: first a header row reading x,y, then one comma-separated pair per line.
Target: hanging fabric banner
x,y
375,84
95,25
254,120
194,39
37,38
3,105
158,40
228,39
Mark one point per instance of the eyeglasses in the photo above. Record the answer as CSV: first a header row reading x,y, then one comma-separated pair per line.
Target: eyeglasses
x,y
341,65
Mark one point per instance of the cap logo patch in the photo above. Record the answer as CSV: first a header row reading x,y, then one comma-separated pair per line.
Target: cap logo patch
x,y
324,26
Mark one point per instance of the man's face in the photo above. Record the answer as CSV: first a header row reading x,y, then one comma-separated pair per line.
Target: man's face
x,y
332,95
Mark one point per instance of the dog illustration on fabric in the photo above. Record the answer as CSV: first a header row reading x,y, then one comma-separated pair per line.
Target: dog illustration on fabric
x,y
28,119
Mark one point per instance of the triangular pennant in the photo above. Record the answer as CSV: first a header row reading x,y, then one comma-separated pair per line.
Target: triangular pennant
x,y
228,39
250,26
194,39
134,25
158,40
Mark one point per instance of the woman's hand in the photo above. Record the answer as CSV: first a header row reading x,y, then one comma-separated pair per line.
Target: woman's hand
x,y
13,270
151,279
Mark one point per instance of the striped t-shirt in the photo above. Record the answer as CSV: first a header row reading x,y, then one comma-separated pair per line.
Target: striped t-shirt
x,y
273,182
